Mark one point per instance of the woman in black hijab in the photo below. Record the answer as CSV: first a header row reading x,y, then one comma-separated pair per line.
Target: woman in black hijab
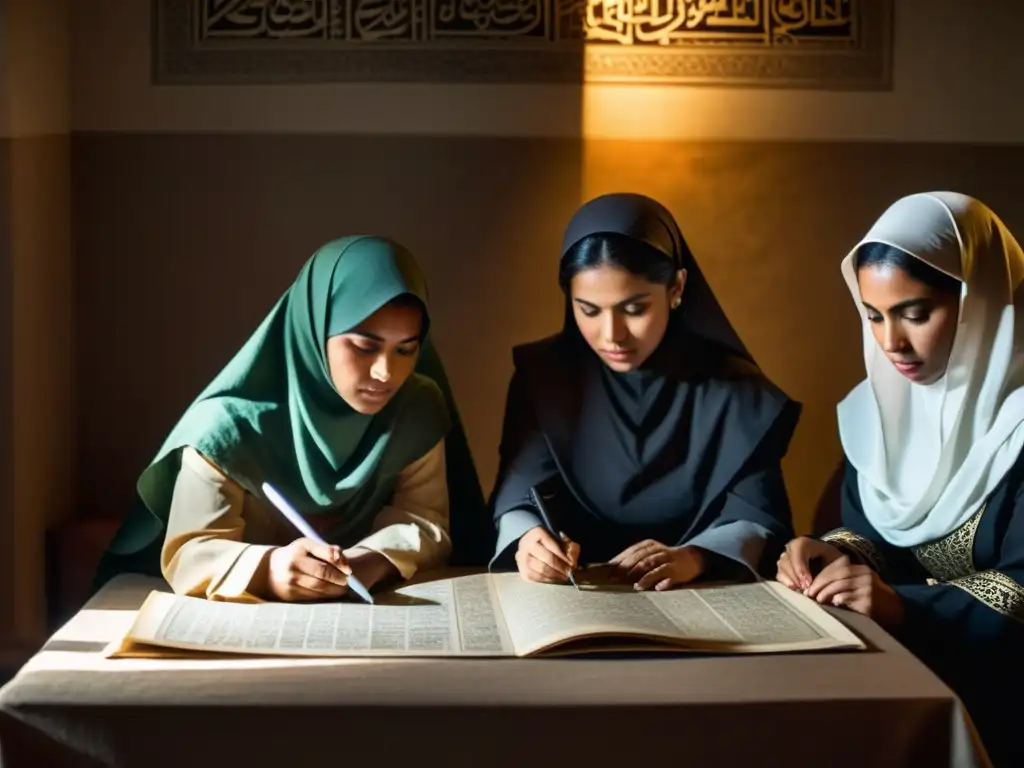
x,y
651,436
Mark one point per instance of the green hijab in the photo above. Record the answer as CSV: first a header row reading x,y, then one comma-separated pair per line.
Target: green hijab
x,y
273,414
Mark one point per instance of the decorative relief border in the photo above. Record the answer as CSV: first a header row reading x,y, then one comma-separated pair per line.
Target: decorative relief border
x,y
827,44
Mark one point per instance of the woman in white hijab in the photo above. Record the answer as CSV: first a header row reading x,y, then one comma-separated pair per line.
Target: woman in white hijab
x,y
932,543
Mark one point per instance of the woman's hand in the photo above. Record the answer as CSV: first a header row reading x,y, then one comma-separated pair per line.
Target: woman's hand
x,y
650,563
307,570
540,558
794,566
859,588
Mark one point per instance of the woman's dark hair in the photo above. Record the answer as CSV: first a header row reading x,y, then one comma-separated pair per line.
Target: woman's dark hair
x,y
408,300
412,301
620,251
884,255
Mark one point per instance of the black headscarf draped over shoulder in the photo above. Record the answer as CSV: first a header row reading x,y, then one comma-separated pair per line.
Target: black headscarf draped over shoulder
x,y
654,452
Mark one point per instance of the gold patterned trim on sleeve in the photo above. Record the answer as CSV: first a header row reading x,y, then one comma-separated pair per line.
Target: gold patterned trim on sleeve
x,y
865,549
952,556
996,590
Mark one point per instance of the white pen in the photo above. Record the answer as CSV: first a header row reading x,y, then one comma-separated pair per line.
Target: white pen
x,y
307,530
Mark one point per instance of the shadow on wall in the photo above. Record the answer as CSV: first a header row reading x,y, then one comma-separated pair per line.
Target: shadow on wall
x,y
185,241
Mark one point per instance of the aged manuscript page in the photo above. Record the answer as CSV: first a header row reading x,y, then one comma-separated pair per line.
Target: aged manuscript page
x,y
448,617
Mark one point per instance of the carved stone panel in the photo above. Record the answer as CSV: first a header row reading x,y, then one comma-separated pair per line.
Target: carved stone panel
x,y
832,44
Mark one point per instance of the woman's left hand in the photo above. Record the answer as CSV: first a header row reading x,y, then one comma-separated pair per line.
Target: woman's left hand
x,y
857,587
653,564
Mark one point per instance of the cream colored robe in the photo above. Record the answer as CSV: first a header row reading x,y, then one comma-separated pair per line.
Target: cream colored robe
x,y
219,535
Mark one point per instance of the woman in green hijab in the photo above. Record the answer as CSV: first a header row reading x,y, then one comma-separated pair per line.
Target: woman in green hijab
x,y
339,401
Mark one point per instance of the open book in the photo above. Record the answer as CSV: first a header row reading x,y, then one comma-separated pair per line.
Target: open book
x,y
493,615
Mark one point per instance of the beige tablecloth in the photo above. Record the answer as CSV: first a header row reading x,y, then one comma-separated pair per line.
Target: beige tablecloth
x,y
70,707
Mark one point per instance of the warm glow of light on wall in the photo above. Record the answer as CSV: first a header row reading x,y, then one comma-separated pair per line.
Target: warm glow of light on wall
x,y
682,69
657,111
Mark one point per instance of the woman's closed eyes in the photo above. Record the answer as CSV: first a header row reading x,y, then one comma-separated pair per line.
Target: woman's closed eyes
x,y
633,310
917,318
367,347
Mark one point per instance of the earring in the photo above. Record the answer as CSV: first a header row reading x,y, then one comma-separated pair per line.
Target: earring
x,y
676,302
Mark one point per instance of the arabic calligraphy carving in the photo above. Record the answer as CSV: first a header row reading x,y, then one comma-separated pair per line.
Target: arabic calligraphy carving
x,y
274,19
374,20
625,22
678,40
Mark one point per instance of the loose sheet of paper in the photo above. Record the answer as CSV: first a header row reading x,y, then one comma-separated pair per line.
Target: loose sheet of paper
x,y
452,617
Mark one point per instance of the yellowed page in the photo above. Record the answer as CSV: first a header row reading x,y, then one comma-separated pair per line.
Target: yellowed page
x,y
542,615
446,617
762,617
482,627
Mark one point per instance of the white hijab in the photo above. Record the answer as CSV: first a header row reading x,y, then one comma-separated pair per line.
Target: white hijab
x,y
928,456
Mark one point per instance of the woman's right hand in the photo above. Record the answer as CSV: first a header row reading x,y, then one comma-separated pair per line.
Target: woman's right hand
x,y
307,570
541,558
794,569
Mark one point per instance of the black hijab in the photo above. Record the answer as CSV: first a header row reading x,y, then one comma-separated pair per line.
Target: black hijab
x,y
649,453
647,221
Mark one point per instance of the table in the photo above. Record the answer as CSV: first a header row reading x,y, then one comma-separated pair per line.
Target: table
x,y
69,706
